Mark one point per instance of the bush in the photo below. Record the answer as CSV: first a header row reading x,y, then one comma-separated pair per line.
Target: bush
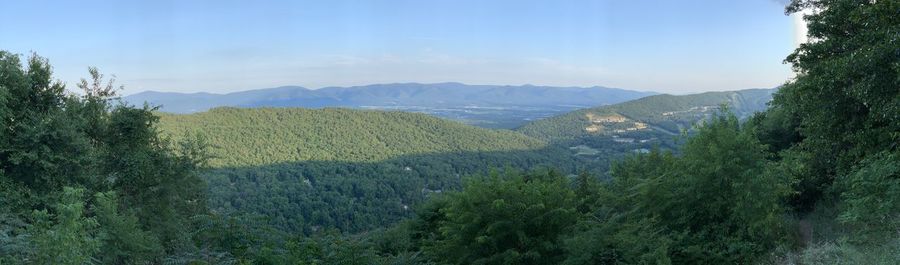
x,y
872,195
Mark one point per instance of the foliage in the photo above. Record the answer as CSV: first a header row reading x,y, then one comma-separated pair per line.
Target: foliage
x,y
872,194
305,197
66,237
669,114
834,127
331,249
124,242
847,90
716,203
776,128
511,219
284,179
56,147
258,137
843,252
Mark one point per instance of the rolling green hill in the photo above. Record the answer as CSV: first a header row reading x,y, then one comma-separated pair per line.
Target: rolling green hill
x,y
255,137
354,170
303,170
653,115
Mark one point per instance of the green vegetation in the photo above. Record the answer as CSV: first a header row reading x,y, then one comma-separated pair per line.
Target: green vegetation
x,y
716,203
255,137
667,114
815,179
57,150
516,219
305,197
305,171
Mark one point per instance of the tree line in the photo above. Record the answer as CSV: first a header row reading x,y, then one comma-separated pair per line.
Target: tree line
x,y
815,179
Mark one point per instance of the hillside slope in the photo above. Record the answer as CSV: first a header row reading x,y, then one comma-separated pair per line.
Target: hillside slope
x,y
660,114
254,137
355,170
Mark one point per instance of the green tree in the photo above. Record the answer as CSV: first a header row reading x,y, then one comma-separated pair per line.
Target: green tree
x,y
618,230
723,199
507,219
331,248
872,195
50,140
123,240
65,236
847,90
42,145
718,202
586,186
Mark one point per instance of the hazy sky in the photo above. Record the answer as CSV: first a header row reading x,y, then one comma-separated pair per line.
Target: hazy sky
x,y
221,46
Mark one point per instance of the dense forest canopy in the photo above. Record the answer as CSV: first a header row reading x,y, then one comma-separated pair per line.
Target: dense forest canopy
x,y
85,180
813,179
257,137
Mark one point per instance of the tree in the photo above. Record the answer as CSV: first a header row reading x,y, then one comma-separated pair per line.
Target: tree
x,y
724,198
50,141
586,187
42,145
872,195
847,90
66,236
507,219
719,202
123,240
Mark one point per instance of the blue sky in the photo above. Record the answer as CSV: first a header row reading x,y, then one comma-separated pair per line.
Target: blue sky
x,y
222,46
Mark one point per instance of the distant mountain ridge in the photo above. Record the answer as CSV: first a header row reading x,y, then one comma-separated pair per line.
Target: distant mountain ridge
x,y
387,95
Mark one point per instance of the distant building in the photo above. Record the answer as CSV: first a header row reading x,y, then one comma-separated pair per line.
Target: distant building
x,y
605,119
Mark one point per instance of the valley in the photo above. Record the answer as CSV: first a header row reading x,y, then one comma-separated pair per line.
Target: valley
x,y
378,164
486,106
383,162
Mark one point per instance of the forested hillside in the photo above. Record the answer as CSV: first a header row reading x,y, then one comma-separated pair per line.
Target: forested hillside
x,y
812,179
255,137
306,170
662,114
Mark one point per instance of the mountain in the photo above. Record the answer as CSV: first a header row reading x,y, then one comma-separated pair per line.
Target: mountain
x,y
354,170
260,136
481,105
653,115
402,94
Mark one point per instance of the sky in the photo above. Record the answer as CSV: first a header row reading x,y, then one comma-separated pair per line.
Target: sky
x,y
223,46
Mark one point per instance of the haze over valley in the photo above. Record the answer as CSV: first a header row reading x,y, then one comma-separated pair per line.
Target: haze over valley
x,y
481,105
399,132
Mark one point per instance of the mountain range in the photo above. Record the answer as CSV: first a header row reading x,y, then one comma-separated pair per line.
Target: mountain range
x,y
400,94
482,105
308,168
